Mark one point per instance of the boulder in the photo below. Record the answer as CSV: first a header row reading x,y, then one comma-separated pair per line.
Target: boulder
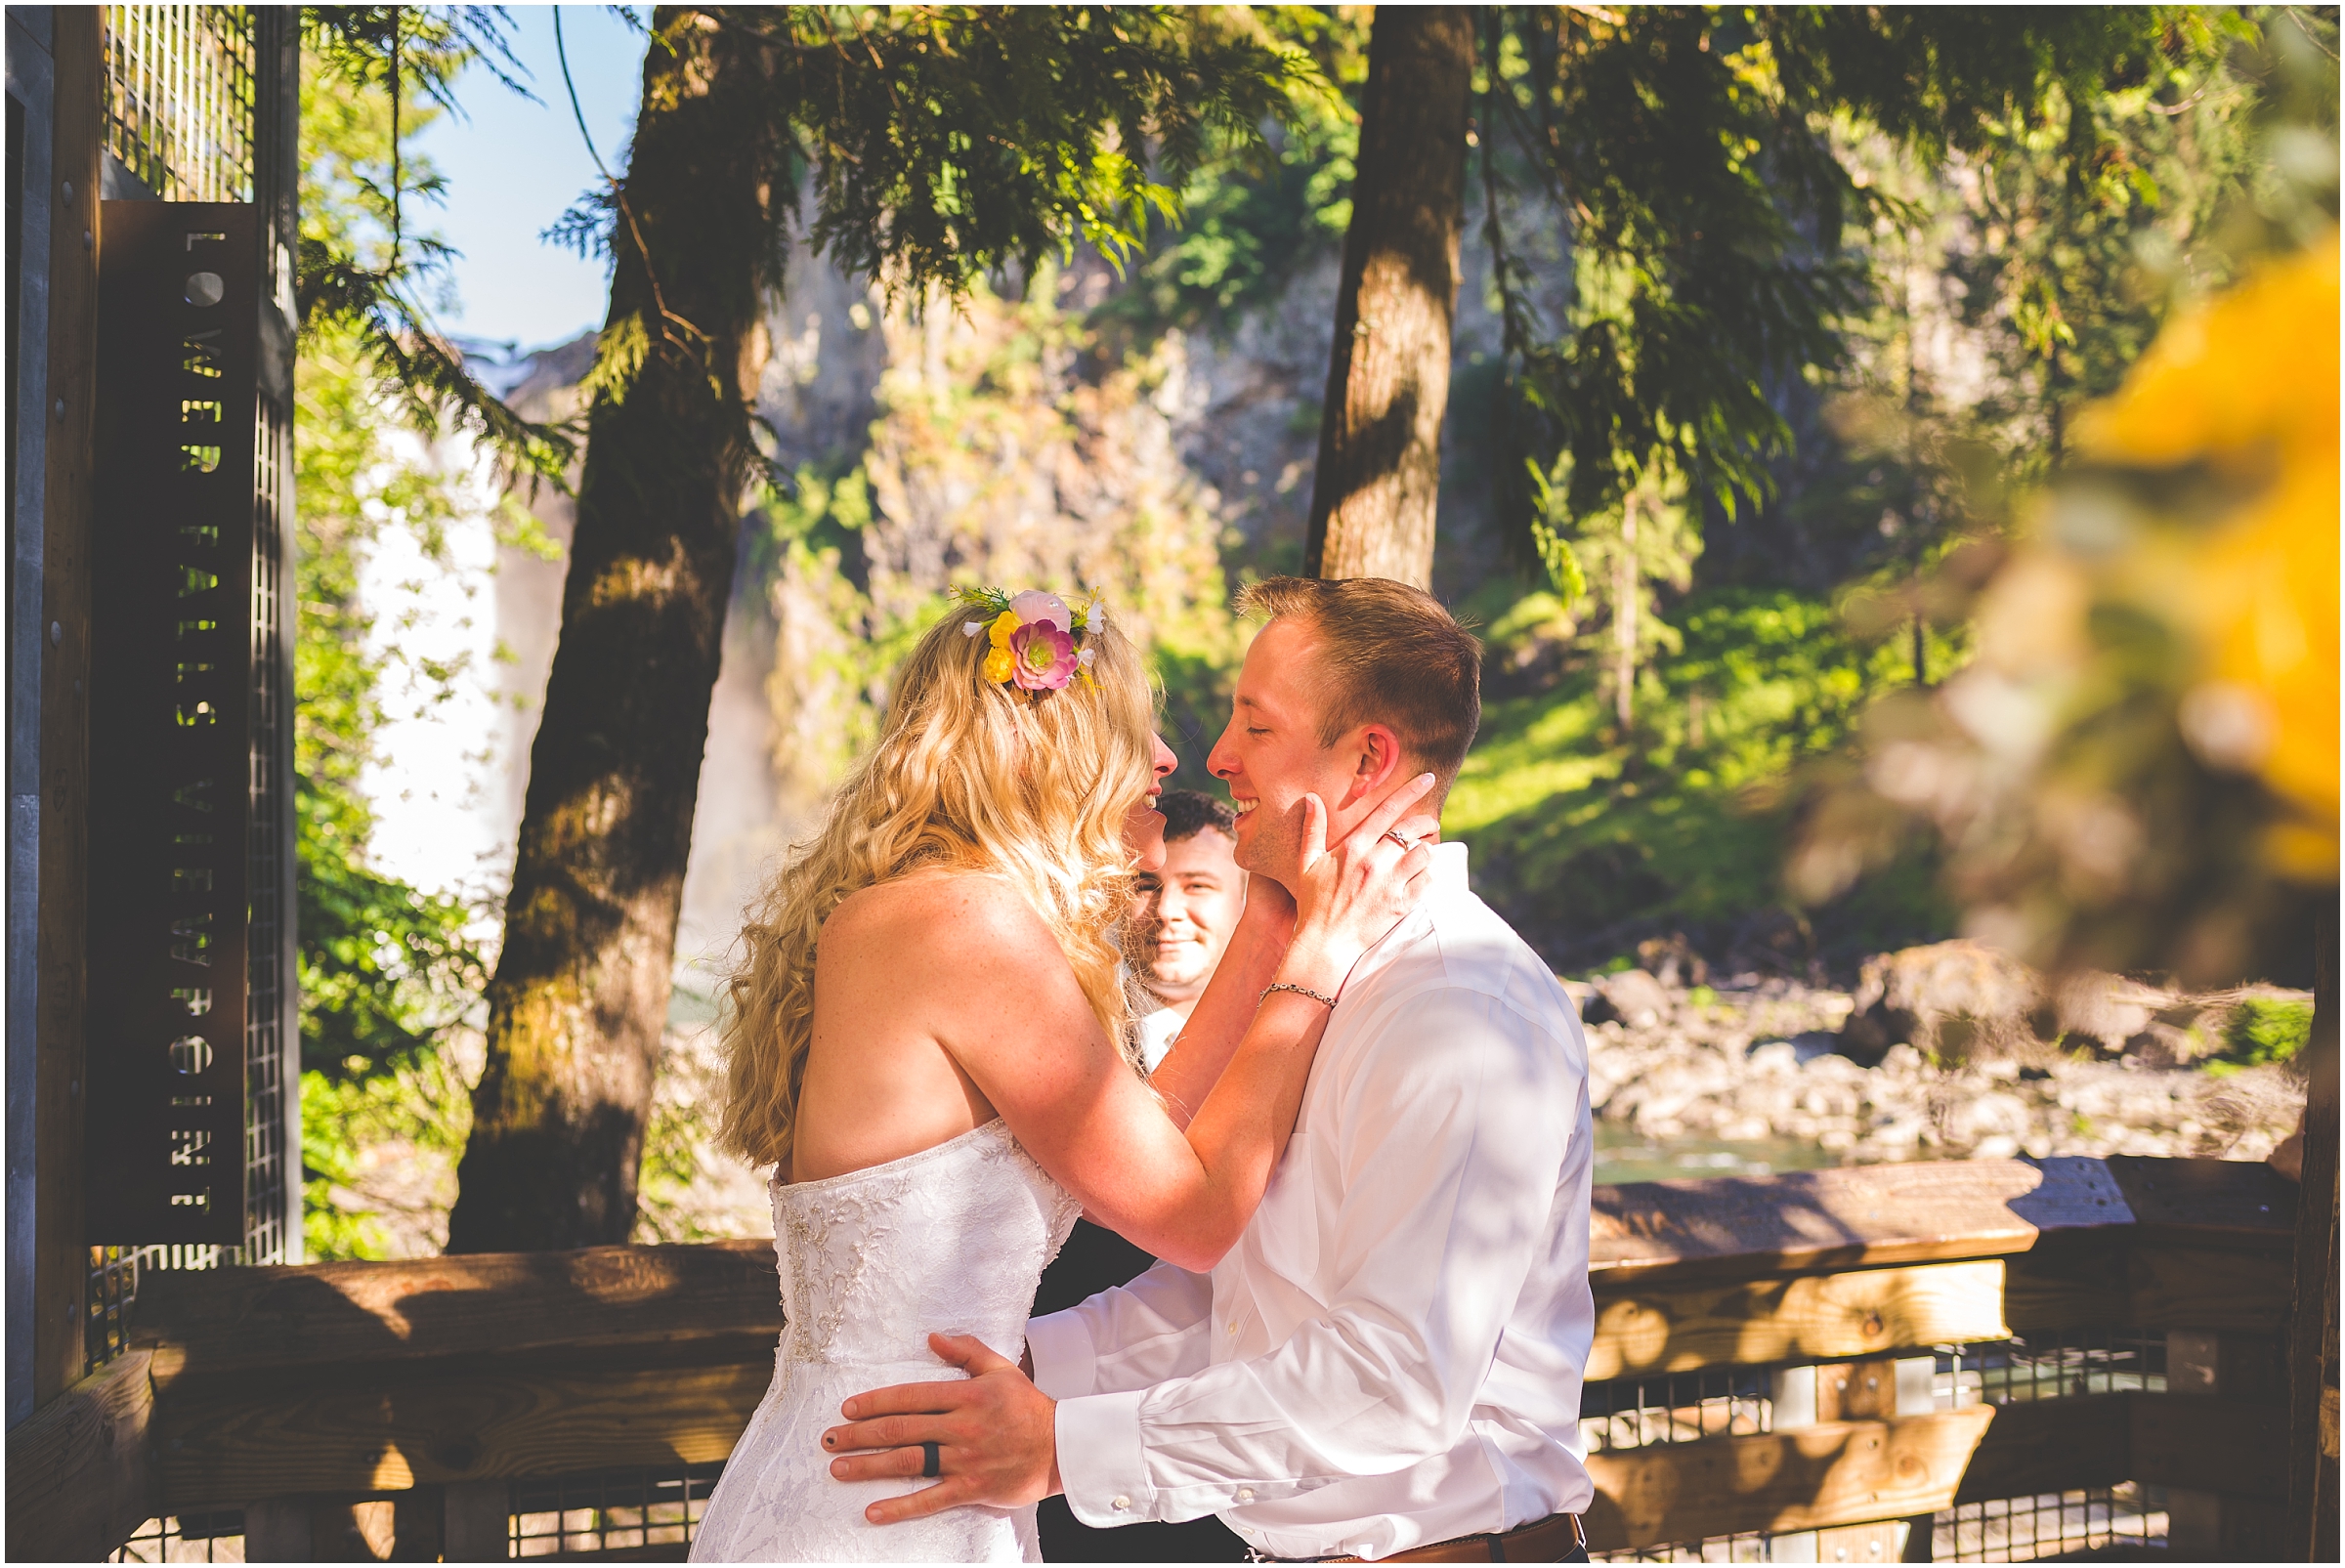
x,y
1954,1001
1775,941
1672,960
1631,998
2092,1011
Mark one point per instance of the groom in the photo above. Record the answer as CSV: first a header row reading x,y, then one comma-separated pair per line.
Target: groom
x,y
1388,1365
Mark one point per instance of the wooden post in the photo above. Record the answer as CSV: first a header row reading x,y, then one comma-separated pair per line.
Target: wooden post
x,y
478,1522
61,1254
278,1530
419,1524
330,1528
81,1471
2312,1525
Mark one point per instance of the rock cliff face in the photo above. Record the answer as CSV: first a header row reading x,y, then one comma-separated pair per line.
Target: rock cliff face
x,y
1046,439
995,445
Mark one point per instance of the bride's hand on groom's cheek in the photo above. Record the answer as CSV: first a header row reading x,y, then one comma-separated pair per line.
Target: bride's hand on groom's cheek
x,y
1351,891
995,1436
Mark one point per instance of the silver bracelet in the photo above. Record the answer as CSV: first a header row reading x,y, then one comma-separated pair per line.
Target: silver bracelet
x,y
1300,991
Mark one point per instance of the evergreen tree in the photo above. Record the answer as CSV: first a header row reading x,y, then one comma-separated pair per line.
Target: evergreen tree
x,y
1688,150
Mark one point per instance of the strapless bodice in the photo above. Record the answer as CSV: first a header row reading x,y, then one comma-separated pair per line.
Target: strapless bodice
x,y
952,1239
949,1239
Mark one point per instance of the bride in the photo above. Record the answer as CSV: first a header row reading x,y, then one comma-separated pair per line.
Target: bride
x,y
931,1040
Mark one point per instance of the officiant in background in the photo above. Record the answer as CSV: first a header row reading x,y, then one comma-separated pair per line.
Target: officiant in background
x,y
1181,917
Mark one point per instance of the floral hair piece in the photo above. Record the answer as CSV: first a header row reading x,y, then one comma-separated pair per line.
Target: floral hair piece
x,y
1033,636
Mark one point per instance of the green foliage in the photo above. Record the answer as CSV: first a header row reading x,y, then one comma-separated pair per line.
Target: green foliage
x,y
385,969
2076,173
2067,267
2086,823
940,144
1258,210
1092,120
2263,1030
1244,231
1706,208
360,1136
373,76
1581,831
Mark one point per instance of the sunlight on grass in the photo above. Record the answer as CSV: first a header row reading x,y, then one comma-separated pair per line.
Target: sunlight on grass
x,y
1578,830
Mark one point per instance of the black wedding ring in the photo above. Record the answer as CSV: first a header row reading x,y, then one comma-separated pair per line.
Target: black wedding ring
x,y
932,1462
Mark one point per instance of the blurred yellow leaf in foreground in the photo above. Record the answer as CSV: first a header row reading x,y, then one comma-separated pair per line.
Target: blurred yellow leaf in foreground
x,y
2247,386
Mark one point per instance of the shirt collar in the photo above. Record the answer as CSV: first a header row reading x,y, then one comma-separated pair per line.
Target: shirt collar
x,y
1449,868
1449,885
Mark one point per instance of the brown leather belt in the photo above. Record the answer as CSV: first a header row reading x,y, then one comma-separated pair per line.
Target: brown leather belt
x,y
1551,1540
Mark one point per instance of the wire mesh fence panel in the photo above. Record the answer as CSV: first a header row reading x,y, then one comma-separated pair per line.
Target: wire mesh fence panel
x,y
114,1285
2055,1524
1682,1406
1627,1414
645,1514
187,1538
179,93
2067,1364
268,1213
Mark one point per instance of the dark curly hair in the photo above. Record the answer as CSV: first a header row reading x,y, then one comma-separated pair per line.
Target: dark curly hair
x,y
1188,813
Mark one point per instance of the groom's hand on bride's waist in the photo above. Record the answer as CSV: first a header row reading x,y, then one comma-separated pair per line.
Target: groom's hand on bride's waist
x,y
994,1436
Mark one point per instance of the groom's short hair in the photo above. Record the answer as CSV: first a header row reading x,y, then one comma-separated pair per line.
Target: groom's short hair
x,y
1390,654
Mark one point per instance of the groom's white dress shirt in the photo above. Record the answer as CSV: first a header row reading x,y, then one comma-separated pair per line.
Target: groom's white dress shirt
x,y
1392,1355
1158,1030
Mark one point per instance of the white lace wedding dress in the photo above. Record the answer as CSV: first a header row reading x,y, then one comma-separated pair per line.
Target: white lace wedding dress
x,y
952,1239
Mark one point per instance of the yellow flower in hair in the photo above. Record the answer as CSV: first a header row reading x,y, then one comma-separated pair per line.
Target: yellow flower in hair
x,y
1004,624
1001,663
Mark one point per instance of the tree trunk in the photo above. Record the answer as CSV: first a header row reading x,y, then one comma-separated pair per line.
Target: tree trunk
x,y
1378,476
580,996
2313,1325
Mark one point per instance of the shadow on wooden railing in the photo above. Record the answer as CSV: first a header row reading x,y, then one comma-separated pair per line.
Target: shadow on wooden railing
x,y
294,1394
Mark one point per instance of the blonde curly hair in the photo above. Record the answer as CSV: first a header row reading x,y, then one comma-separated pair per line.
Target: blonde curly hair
x,y
969,776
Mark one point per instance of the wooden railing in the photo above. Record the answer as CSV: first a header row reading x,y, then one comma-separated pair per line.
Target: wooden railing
x,y
308,1396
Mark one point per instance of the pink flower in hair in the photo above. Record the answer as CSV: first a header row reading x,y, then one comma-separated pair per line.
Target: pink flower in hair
x,y
1035,605
1045,655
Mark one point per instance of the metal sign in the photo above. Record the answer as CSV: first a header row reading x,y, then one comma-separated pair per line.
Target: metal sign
x,y
172,601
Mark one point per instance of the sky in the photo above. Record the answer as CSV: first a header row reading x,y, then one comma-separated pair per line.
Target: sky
x,y
513,167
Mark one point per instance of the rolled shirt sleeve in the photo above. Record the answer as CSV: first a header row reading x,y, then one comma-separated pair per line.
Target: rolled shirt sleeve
x,y
1449,1128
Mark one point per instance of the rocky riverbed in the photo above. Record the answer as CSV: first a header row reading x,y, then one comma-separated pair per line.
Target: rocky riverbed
x,y
1757,1062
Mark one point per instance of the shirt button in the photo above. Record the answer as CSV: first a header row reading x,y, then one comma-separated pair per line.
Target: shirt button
x,y
1245,1493
1233,1329
1121,1504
